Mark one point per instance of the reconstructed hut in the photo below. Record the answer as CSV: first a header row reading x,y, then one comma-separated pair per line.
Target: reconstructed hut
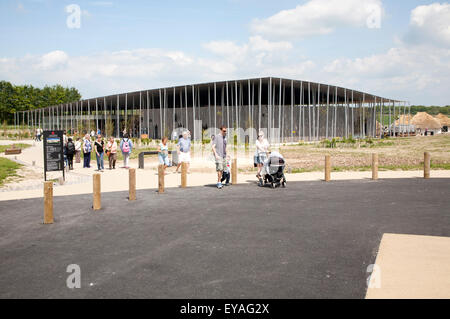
x,y
444,120
425,123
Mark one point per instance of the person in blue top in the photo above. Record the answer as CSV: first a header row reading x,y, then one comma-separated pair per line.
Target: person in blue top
x,y
184,150
87,149
163,153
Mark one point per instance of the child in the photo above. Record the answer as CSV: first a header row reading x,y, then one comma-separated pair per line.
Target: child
x,y
227,172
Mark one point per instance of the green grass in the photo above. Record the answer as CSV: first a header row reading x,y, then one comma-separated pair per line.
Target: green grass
x,y
21,146
8,168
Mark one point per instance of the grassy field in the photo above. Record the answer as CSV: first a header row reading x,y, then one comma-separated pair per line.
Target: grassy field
x,y
394,154
8,169
21,146
403,154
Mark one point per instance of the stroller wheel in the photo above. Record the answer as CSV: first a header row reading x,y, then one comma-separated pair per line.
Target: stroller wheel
x,y
283,184
273,185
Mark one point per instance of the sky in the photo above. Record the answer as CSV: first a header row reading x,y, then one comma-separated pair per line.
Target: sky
x,y
397,49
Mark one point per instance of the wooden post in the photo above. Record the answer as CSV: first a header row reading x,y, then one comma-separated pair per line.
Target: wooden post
x,y
132,184
234,172
184,175
327,168
161,179
374,167
48,203
97,192
427,165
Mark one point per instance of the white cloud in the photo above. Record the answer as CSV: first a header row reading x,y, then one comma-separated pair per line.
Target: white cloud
x,y
52,60
406,71
318,17
430,24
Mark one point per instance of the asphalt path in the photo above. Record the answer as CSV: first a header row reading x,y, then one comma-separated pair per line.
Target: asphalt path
x,y
310,240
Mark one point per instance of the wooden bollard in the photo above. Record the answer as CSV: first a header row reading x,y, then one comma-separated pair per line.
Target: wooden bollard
x,y
374,167
427,165
327,168
234,172
161,179
184,167
132,184
97,192
48,203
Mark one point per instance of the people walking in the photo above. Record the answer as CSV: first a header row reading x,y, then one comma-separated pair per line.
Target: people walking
x,y
262,149
163,153
99,147
126,146
70,152
111,151
38,135
78,150
184,150
87,149
219,148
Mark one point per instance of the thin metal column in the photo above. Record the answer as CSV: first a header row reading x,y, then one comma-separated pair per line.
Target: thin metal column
x,y
228,107
309,109
193,112
215,105
160,114
126,129
260,104
292,111
96,116
328,106
353,116
117,117
318,112
140,114
148,114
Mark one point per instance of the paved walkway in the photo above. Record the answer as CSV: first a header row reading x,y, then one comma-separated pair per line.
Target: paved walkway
x,y
79,181
412,267
310,240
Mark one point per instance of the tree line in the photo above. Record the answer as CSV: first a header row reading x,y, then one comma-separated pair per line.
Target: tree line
x,y
16,98
432,110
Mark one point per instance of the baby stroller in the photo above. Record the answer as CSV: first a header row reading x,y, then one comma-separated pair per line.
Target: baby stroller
x,y
273,171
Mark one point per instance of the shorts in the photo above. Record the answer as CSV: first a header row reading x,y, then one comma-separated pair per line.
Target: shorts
x,y
184,157
164,160
221,164
261,158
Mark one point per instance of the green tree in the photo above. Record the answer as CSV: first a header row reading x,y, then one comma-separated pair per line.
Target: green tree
x,y
15,98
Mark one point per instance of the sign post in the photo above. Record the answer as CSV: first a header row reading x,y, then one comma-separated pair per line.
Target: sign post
x,y
53,152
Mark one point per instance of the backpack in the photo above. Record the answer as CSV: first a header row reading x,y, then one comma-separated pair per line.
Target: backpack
x,y
126,146
70,148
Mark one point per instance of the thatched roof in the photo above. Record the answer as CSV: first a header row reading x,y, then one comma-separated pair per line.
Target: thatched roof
x,y
443,119
423,120
404,120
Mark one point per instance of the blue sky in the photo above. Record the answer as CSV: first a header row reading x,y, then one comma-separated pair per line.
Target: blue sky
x,y
132,45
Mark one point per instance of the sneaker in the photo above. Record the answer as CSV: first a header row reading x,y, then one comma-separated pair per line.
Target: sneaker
x,y
219,185
227,184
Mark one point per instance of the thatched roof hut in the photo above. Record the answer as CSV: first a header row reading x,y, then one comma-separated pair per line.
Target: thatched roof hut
x,y
404,120
423,120
443,119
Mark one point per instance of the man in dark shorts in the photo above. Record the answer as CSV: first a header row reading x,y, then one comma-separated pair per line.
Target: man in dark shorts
x,y
219,147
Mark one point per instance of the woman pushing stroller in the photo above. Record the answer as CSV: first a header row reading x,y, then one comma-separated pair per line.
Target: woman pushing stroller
x,y
273,171
262,150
